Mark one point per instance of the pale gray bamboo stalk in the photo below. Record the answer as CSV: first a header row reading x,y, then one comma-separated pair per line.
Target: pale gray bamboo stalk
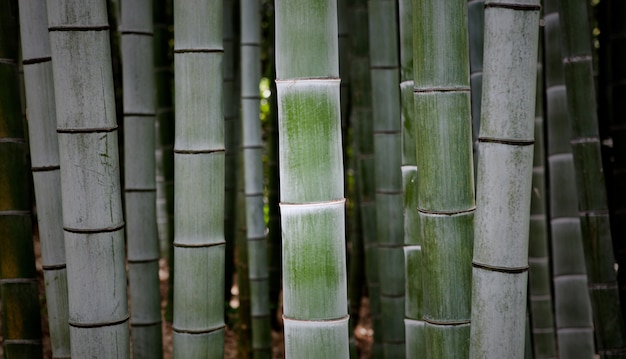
x,y
572,307
90,184
445,173
140,177
385,77
199,185
252,147
414,325
44,155
311,187
500,264
610,331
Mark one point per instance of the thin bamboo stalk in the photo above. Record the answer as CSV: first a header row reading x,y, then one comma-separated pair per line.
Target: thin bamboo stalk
x,y
542,332
476,25
44,152
199,243
140,177
311,169
361,119
445,182
21,321
592,200
385,77
92,207
500,264
252,147
572,306
414,325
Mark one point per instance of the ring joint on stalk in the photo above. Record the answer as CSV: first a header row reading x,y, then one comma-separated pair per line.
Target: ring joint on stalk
x,y
11,140
447,322
45,168
197,152
593,213
305,79
512,6
335,320
99,325
94,230
22,341
139,261
199,50
441,89
511,270
7,61
507,141
18,280
87,130
583,140
145,324
53,267
447,213
140,114
136,32
198,331
37,60
140,190
15,213
79,28
324,203
198,245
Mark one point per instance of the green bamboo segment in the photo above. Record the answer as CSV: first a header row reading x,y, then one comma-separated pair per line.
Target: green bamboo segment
x,y
44,151
312,184
91,194
504,175
572,310
21,322
140,177
199,252
542,331
592,199
362,124
252,147
445,183
386,113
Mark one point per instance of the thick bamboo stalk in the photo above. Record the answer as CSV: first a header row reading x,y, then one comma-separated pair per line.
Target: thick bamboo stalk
x,y
252,147
500,264
445,173
385,77
592,200
199,187
140,177
92,207
21,321
311,169
542,332
572,306
44,152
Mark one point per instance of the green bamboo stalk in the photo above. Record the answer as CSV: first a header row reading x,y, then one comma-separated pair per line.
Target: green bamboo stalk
x,y
199,243
252,148
361,119
445,182
592,199
414,325
500,264
92,207
140,177
540,296
163,73
311,171
44,152
476,24
244,318
384,69
572,305
21,321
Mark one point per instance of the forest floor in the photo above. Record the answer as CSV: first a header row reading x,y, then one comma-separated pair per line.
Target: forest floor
x,y
363,332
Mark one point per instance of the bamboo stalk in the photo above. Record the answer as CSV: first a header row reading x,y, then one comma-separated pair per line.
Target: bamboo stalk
x,y
385,77
445,173
592,199
500,264
199,243
476,25
572,306
21,321
44,152
311,169
91,192
252,147
140,177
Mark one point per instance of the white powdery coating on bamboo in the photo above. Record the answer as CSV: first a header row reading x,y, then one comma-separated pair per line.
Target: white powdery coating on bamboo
x,y
77,13
316,339
138,78
314,264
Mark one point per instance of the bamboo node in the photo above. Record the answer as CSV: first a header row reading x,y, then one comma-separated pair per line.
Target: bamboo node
x,y
510,270
99,325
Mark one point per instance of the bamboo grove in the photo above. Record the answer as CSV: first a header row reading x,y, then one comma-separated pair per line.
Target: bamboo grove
x,y
312,178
